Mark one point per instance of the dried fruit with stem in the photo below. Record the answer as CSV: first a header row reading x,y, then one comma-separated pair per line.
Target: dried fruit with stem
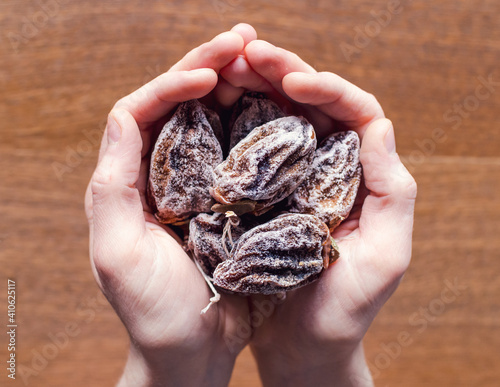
x,y
285,253
207,242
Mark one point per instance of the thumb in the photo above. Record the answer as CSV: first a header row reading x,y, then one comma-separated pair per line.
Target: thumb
x,y
386,221
117,212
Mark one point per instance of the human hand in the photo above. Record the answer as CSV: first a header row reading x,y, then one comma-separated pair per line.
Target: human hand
x,y
152,284
315,336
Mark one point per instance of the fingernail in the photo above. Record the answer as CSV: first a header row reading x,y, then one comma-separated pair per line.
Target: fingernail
x,y
114,130
390,140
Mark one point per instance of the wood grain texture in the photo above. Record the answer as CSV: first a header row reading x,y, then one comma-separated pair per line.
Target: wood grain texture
x,y
63,64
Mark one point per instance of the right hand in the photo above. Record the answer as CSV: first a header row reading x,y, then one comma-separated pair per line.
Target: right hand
x,y
315,336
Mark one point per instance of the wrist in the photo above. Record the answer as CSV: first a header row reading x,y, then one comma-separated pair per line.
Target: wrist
x,y
348,370
176,369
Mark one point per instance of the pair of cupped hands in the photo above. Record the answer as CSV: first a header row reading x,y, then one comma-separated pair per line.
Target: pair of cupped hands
x,y
314,336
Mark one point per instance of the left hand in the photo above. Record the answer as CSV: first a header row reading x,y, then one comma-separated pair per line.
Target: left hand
x,y
154,287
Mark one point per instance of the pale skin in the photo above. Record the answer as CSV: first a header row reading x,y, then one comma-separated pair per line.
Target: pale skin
x,y
315,336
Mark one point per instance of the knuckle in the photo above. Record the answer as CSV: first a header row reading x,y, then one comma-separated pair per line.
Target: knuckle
x,y
404,184
374,104
372,99
411,187
100,179
202,50
120,104
128,102
408,186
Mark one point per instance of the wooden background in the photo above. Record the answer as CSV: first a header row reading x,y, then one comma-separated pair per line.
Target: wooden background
x,y
64,63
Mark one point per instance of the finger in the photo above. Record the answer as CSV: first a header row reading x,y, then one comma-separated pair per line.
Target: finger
x,y
386,220
273,63
246,31
239,74
227,94
334,96
214,54
156,98
117,214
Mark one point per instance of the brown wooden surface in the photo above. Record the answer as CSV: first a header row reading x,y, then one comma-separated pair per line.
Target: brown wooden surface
x,y
62,68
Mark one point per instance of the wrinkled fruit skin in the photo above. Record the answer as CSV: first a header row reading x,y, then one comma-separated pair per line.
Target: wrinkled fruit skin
x,y
277,198
252,110
267,165
283,254
330,189
205,240
182,163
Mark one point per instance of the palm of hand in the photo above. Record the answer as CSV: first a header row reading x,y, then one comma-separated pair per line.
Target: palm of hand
x,y
152,283
166,293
